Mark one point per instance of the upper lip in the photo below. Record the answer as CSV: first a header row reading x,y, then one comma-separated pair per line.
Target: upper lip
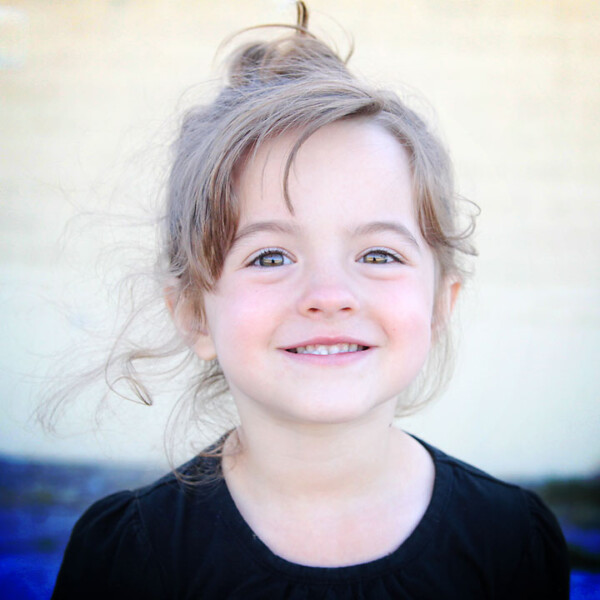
x,y
327,341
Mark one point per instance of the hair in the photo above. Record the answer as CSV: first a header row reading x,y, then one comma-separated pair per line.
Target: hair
x,y
294,83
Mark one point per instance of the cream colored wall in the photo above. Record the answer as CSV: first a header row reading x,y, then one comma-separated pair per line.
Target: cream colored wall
x,y
88,97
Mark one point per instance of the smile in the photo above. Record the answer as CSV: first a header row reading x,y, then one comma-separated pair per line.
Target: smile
x,y
324,350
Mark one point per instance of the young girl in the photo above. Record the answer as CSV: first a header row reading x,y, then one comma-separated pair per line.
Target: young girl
x,y
313,254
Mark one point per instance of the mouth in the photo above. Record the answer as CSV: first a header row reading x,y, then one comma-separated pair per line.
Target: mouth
x,y
324,350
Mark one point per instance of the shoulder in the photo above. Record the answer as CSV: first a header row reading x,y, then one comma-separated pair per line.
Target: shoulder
x,y
108,552
479,490
172,506
127,542
509,529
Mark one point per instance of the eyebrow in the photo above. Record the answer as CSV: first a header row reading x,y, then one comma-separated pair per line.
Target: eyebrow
x,y
291,229
260,226
382,226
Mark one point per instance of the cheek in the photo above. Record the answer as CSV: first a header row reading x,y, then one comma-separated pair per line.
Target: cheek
x,y
413,332
239,317
412,301
410,312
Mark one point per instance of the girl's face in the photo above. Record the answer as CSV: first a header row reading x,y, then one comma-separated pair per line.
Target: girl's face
x,y
323,315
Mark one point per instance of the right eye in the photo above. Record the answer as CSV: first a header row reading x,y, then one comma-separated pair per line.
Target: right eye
x,y
270,258
380,256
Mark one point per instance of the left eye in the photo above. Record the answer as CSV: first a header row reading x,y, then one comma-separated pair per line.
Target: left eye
x,y
379,257
270,258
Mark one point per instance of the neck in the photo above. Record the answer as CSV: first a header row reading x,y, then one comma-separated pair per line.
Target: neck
x,y
311,462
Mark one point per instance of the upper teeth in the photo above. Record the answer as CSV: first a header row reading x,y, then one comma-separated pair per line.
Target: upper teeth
x,y
321,349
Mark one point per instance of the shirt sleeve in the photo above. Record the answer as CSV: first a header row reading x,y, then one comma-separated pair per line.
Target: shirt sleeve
x,y
544,569
109,555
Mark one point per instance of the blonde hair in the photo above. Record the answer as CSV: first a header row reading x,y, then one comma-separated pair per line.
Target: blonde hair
x,y
294,83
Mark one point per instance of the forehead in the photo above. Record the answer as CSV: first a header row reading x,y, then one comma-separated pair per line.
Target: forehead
x,y
345,167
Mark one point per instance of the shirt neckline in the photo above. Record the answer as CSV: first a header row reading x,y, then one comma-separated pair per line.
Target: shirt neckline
x,y
412,546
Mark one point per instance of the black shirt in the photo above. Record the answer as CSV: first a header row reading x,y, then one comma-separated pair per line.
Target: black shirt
x,y
479,538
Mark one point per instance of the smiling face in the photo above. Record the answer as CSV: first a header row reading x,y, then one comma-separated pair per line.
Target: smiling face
x,y
323,315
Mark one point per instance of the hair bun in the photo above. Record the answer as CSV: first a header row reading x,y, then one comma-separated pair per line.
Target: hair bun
x,y
289,57
298,54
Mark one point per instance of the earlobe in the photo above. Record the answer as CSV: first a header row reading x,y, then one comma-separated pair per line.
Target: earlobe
x,y
204,346
453,292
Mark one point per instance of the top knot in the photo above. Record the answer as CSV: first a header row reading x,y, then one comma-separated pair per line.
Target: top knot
x,y
302,15
295,55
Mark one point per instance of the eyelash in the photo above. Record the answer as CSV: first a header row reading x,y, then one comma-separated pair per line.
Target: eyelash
x,y
384,252
253,262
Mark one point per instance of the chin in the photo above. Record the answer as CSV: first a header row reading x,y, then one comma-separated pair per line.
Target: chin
x,y
338,413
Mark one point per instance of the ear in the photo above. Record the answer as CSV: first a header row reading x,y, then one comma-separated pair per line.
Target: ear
x,y
204,346
194,331
448,295
453,292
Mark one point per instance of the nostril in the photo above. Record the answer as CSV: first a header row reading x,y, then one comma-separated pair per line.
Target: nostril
x,y
327,300
316,309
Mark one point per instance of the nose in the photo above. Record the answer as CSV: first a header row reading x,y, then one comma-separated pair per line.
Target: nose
x,y
327,295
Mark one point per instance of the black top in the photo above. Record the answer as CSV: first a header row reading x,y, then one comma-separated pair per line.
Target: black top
x,y
479,538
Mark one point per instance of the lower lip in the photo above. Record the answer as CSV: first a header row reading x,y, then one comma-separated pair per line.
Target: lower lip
x,y
329,360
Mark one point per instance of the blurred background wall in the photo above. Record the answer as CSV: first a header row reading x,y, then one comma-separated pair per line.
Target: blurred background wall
x,y
90,93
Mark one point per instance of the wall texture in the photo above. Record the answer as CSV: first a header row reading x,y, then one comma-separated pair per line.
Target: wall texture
x,y
89,96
